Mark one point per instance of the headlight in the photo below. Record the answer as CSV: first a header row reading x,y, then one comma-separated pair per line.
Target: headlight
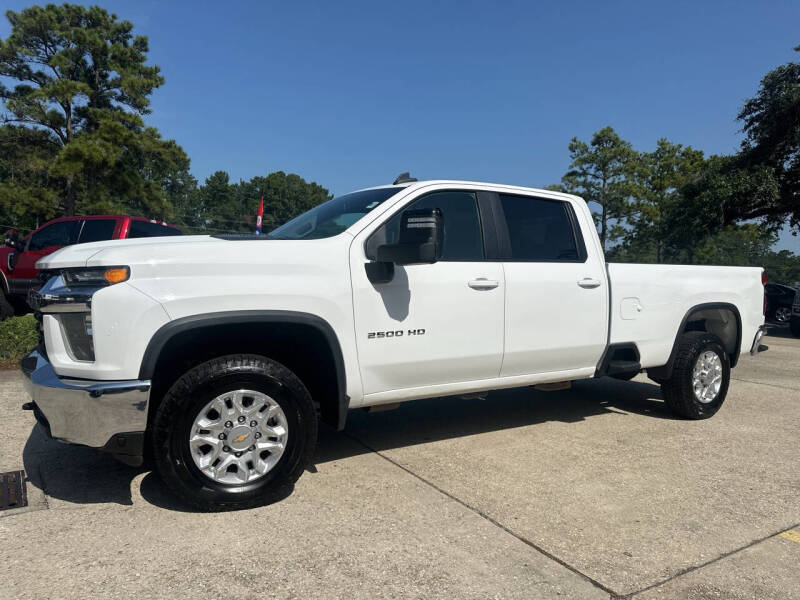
x,y
95,276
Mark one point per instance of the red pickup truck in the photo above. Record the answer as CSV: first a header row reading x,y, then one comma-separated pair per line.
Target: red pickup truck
x,y
18,274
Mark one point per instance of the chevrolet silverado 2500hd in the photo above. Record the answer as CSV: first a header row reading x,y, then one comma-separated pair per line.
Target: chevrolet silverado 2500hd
x,y
218,354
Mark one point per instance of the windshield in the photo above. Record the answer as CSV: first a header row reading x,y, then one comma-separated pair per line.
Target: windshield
x,y
334,216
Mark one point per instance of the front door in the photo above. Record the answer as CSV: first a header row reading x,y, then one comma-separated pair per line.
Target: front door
x,y
432,324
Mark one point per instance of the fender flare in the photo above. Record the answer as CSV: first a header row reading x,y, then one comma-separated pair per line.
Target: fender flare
x,y
169,330
665,371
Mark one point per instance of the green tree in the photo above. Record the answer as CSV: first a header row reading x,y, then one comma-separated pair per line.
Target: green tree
x,y
748,245
219,205
771,122
26,199
735,245
285,197
657,178
599,173
713,200
217,200
81,77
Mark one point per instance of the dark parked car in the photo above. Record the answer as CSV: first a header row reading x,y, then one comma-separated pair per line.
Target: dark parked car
x,y
779,302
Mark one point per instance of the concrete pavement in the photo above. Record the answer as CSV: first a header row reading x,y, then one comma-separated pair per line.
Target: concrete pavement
x,y
592,492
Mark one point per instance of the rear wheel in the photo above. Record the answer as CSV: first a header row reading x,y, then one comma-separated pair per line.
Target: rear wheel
x,y
234,432
700,376
783,314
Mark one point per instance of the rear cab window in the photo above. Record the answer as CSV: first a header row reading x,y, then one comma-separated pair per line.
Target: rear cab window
x,y
141,229
97,230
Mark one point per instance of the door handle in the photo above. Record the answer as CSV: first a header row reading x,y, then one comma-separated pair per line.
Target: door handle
x,y
589,283
481,283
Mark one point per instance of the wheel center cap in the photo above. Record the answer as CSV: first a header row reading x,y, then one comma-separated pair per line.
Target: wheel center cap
x,y
240,438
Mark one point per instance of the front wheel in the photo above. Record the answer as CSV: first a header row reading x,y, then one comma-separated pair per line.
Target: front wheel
x,y
234,432
700,376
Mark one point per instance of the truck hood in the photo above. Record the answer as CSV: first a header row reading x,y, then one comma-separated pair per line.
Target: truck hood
x,y
80,255
190,257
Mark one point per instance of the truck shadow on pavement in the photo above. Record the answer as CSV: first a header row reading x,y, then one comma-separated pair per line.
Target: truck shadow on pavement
x,y
79,475
436,419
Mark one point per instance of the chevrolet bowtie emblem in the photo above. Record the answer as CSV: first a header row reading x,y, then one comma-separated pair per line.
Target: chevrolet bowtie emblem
x,y
241,438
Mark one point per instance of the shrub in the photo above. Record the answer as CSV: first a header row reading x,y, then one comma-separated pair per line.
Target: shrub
x,y
17,337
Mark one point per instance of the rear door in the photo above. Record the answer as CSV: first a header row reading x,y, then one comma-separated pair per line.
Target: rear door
x,y
556,294
432,324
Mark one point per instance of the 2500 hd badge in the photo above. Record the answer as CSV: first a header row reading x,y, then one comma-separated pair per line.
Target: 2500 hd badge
x,y
374,335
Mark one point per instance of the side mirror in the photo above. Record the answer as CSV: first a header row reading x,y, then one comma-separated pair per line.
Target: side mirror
x,y
12,240
420,241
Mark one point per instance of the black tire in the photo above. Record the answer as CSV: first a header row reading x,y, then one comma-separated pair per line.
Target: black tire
x,y
678,391
794,326
6,310
189,394
20,306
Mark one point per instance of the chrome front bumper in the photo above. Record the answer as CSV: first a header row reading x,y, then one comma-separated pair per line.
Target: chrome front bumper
x,y
85,412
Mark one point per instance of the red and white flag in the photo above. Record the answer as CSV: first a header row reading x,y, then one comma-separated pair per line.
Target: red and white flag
x,y
260,215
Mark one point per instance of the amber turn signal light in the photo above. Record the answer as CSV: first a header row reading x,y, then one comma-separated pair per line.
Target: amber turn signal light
x,y
116,275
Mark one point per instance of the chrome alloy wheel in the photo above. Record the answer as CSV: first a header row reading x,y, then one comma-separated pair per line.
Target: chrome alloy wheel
x,y
707,376
238,437
783,314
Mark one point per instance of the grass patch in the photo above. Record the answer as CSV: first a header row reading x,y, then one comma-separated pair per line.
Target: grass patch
x,y
17,337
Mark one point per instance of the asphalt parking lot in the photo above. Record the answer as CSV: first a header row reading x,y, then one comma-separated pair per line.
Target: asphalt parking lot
x,y
594,492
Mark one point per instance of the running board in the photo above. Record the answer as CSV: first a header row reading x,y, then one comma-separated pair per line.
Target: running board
x,y
553,387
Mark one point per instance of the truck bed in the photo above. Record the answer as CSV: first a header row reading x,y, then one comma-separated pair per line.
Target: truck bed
x,y
649,303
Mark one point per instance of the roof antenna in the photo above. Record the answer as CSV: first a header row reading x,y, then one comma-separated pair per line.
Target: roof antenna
x,y
404,178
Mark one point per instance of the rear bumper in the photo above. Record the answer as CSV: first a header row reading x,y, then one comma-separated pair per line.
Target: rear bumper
x,y
757,345
91,413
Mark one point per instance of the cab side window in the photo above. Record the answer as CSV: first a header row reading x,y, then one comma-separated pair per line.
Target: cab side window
x,y
97,230
540,230
62,233
463,240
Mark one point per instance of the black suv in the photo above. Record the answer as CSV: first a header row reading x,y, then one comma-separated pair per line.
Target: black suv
x,y
794,323
779,302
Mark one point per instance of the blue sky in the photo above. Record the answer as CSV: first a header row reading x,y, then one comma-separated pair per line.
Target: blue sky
x,y
349,94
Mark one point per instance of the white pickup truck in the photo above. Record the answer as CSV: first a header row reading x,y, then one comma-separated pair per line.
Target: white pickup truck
x,y
219,354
